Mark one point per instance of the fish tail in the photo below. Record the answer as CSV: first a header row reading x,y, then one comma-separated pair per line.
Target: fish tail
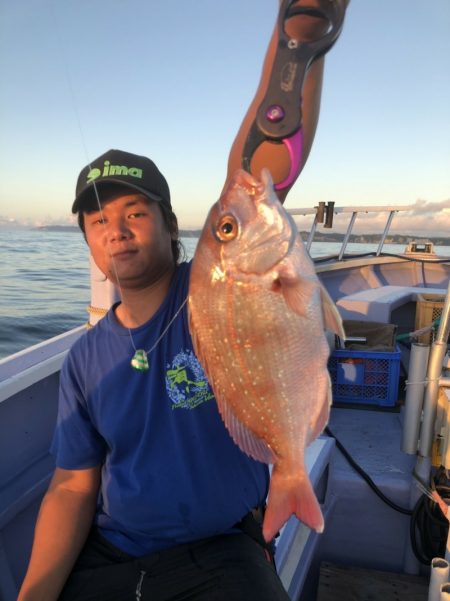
x,y
289,496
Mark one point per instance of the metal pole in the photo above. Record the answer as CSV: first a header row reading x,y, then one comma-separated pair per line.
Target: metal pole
x,y
439,575
347,235
311,235
385,233
444,326
414,397
103,294
437,354
445,592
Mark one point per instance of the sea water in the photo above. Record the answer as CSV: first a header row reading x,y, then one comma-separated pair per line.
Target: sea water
x,y
44,282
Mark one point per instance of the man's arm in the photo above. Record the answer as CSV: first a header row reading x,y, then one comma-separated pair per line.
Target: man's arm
x,y
63,524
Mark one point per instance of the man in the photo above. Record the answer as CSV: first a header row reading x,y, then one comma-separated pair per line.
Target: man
x,y
151,499
150,491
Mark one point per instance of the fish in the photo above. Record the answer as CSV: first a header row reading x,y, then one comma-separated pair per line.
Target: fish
x,y
257,318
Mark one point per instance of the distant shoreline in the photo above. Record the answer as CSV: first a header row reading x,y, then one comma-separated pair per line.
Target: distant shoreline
x,y
318,236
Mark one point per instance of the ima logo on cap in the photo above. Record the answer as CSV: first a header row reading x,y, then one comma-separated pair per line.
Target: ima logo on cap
x,y
110,170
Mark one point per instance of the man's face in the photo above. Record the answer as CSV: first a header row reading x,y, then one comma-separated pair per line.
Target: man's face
x,y
129,240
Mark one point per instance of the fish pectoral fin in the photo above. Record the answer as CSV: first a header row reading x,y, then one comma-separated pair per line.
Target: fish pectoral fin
x,y
331,316
297,291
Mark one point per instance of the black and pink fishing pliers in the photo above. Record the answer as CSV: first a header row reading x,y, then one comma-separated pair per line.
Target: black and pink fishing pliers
x,y
279,116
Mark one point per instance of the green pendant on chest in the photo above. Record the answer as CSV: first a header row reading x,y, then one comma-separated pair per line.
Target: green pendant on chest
x,y
140,362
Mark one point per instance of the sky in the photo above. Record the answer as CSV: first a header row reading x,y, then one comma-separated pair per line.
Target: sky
x,y
173,82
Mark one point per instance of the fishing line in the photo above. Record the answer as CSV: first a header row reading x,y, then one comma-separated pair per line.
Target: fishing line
x,y
76,112
139,360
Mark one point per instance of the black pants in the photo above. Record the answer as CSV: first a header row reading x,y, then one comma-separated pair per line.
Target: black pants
x,y
231,567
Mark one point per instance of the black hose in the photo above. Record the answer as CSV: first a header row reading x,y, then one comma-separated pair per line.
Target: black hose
x,y
428,527
366,477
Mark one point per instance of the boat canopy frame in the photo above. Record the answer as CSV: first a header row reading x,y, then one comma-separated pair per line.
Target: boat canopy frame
x,y
320,211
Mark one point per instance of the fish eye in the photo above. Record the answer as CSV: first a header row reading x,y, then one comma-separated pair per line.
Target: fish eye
x,y
227,229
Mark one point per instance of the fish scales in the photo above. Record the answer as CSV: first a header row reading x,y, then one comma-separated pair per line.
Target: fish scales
x,y
257,313
259,350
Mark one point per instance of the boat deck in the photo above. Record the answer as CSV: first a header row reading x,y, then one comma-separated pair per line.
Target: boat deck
x,y
360,430
361,531
357,584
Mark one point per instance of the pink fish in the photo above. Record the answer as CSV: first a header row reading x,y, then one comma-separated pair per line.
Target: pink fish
x,y
257,318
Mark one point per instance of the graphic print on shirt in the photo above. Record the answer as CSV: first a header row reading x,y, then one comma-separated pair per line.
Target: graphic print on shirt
x,y
186,383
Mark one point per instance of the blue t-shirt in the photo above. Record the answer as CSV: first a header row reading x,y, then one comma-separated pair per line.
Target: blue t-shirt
x,y
170,471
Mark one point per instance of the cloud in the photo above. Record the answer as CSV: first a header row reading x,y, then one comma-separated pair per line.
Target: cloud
x,y
423,207
426,218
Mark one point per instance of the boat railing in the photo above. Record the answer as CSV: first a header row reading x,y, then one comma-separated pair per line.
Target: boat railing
x,y
31,365
324,214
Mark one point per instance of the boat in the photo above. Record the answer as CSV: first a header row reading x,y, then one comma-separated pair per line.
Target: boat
x,y
365,466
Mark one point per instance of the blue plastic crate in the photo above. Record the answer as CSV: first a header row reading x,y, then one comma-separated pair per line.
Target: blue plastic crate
x,y
365,377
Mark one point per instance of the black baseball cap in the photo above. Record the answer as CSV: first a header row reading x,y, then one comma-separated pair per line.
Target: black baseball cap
x,y
124,168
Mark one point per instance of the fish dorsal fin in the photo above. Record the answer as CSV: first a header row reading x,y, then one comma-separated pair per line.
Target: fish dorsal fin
x,y
331,316
242,436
